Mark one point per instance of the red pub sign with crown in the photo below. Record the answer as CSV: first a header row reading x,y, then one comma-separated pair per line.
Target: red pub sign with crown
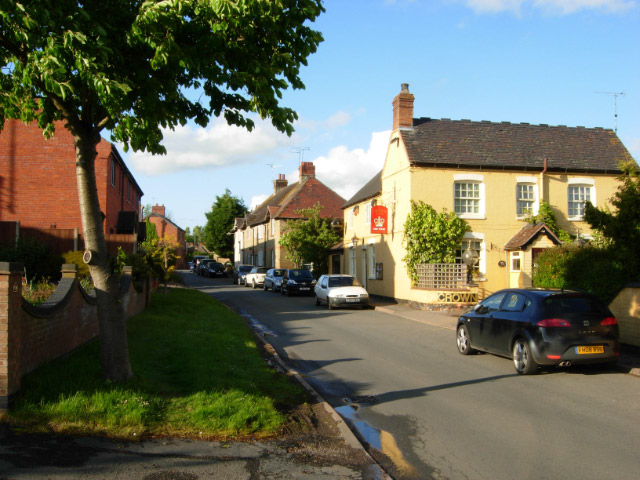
x,y
379,219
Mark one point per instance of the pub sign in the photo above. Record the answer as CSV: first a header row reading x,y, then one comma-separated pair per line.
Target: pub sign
x,y
379,219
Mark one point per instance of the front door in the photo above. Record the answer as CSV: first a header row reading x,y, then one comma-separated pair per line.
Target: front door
x,y
363,280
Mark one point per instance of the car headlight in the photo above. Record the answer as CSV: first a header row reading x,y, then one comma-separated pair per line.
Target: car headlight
x,y
292,282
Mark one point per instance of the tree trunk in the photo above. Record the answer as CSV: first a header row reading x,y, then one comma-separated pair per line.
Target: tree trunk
x,y
114,350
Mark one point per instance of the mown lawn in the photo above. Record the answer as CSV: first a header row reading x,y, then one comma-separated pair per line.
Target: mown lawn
x,y
197,373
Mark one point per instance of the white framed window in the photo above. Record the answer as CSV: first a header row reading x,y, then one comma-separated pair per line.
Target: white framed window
x,y
526,197
260,258
468,196
475,241
371,259
260,232
579,192
516,261
368,216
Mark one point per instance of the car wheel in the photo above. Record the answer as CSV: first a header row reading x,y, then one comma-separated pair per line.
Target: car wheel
x,y
317,301
253,284
522,359
281,290
330,305
264,287
463,342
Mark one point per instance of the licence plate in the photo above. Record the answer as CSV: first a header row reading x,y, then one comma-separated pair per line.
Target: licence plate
x,y
353,300
589,349
304,288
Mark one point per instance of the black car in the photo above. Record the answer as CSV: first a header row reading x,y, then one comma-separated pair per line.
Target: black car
x,y
538,327
239,273
297,280
203,266
215,269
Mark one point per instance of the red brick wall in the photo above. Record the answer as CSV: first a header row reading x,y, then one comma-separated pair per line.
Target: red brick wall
x,y
38,179
168,230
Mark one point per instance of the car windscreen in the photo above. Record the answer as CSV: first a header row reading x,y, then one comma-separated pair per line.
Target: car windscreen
x,y
558,305
278,273
261,270
245,268
300,275
343,282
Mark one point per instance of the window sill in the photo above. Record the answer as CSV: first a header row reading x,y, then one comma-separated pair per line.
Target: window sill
x,y
467,216
576,219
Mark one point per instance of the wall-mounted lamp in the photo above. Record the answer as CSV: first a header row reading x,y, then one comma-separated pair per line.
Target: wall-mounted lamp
x,y
354,241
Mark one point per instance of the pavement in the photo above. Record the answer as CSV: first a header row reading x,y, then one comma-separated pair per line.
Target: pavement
x,y
628,362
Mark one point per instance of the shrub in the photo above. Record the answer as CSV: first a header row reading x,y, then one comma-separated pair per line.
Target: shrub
x,y
75,257
37,292
583,268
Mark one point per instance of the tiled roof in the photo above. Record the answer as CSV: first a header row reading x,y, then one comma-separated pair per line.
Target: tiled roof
x,y
512,146
528,234
303,194
372,188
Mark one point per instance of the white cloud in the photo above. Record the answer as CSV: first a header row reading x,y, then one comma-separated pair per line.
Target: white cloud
x,y
346,171
562,7
219,145
257,200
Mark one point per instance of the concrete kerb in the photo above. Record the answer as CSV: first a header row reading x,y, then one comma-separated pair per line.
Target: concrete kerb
x,y
348,436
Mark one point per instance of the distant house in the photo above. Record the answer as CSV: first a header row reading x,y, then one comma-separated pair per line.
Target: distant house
x,y
167,229
38,184
493,175
257,235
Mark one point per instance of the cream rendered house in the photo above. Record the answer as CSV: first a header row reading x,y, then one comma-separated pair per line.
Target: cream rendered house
x,y
492,175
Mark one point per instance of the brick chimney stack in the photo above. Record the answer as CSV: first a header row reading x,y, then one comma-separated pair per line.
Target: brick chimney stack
x,y
159,209
403,108
280,183
307,169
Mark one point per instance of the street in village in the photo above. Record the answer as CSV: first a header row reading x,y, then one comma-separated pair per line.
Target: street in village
x,y
437,414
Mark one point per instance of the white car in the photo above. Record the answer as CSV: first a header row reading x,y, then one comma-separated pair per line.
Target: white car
x,y
255,278
337,290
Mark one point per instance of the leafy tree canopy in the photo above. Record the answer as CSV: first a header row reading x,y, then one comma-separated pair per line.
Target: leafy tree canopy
x,y
309,239
621,225
134,67
220,222
431,237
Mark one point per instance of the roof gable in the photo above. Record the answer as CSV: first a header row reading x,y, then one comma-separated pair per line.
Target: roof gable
x,y
526,236
297,196
488,145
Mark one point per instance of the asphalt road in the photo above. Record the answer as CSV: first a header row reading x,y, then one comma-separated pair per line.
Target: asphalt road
x,y
437,414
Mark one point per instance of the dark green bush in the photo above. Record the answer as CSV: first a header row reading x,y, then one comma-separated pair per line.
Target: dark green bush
x,y
600,271
38,261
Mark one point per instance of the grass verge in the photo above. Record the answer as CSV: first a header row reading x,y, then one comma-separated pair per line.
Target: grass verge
x,y
197,373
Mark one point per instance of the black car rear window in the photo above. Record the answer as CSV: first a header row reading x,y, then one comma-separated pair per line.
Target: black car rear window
x,y
300,274
557,305
244,268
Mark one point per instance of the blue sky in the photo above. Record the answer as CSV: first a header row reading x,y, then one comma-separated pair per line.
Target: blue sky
x,y
535,61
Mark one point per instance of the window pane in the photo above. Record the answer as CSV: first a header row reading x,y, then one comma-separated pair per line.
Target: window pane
x,y
578,195
466,198
525,197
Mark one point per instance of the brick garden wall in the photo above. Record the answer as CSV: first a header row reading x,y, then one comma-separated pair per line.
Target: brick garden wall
x,y
31,336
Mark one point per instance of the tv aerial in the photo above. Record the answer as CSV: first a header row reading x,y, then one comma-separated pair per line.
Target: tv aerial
x,y
615,96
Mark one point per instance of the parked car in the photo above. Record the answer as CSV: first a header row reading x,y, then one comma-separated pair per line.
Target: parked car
x,y
273,279
538,327
340,291
297,280
255,278
239,273
214,269
202,266
196,261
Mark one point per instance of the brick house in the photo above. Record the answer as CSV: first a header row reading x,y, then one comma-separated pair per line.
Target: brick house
x,y
257,235
493,175
167,229
38,184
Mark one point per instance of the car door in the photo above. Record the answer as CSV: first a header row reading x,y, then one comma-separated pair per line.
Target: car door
x,y
505,322
479,323
322,287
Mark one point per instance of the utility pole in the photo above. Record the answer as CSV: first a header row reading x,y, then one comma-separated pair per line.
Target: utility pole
x,y
615,106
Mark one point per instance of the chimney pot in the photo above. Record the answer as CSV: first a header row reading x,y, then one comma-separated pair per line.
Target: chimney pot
x,y
279,183
307,169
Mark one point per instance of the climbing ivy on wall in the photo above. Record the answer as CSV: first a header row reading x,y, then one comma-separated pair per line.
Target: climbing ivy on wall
x,y
431,237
